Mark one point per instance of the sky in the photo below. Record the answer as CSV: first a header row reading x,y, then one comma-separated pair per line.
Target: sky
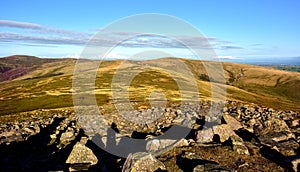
x,y
236,30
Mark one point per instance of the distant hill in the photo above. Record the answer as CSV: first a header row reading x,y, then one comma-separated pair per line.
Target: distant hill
x,y
261,85
18,65
29,83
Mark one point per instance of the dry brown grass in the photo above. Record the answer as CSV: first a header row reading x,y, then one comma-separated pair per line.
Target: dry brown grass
x,y
50,85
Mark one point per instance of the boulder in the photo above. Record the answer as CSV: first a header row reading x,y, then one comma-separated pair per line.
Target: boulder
x,y
281,136
81,158
183,143
296,164
238,145
285,147
205,136
67,137
199,168
295,123
142,162
158,145
28,130
275,125
232,122
224,131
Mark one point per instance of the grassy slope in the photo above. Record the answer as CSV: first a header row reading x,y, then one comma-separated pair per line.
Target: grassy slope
x,y
49,86
260,85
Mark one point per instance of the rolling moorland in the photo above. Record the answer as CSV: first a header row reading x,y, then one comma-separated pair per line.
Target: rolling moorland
x,y
29,83
262,112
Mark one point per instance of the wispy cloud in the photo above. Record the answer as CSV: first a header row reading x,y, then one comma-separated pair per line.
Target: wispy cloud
x,y
36,45
227,58
227,47
38,29
16,37
255,45
45,36
21,25
105,40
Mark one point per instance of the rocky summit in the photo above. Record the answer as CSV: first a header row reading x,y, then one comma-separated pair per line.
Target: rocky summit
x,y
244,137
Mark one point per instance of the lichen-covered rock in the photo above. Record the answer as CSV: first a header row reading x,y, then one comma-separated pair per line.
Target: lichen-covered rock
x,y
232,122
157,146
275,125
224,131
205,136
142,162
268,132
238,145
183,143
190,161
285,147
67,137
199,168
296,164
81,158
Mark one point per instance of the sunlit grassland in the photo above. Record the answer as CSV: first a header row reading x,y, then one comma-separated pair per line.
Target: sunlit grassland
x,y
50,85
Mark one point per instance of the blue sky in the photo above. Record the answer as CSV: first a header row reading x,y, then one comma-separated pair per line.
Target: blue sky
x,y
236,29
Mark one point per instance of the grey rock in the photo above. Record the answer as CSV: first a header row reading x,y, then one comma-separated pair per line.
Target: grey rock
x,y
224,131
238,145
28,130
205,136
285,147
296,164
232,122
199,168
81,158
156,145
142,162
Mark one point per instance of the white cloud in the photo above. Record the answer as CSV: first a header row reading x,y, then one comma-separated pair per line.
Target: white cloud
x,y
143,39
74,56
115,56
227,57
